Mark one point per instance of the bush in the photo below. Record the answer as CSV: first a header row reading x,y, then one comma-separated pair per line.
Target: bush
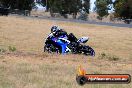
x,y
113,58
2,50
99,18
109,57
12,48
102,56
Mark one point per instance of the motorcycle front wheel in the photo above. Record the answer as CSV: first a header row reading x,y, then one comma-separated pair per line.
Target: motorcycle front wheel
x,y
51,48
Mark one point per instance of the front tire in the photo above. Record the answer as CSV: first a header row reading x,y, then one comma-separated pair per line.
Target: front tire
x,y
51,48
47,48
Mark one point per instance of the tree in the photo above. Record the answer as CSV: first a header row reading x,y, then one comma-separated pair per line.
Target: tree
x,y
5,3
64,6
86,5
73,6
54,5
84,11
18,4
46,3
123,9
102,7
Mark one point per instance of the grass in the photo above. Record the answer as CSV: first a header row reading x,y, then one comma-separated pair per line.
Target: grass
x,y
27,73
29,67
1,57
109,57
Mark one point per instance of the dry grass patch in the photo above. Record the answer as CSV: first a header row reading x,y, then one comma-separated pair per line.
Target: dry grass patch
x,y
31,72
109,57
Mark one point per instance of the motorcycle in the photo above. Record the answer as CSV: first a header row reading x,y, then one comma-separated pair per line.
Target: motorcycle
x,y
63,45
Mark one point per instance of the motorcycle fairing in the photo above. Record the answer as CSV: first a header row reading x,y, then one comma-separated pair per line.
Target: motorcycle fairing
x,y
63,43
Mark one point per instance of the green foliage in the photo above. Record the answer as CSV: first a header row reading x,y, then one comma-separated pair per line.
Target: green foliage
x,y
102,7
18,4
123,9
86,5
66,6
99,18
12,48
5,3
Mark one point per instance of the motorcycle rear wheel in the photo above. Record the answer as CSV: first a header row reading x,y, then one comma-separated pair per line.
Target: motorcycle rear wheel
x,y
89,51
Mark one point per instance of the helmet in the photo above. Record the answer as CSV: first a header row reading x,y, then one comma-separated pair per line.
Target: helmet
x,y
54,29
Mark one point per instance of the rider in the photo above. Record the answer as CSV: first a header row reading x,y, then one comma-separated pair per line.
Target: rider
x,y
57,32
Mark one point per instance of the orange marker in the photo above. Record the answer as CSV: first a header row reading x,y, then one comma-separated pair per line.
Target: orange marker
x,y
81,71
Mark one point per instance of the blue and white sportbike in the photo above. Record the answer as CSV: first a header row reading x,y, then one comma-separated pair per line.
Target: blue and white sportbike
x,y
63,45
